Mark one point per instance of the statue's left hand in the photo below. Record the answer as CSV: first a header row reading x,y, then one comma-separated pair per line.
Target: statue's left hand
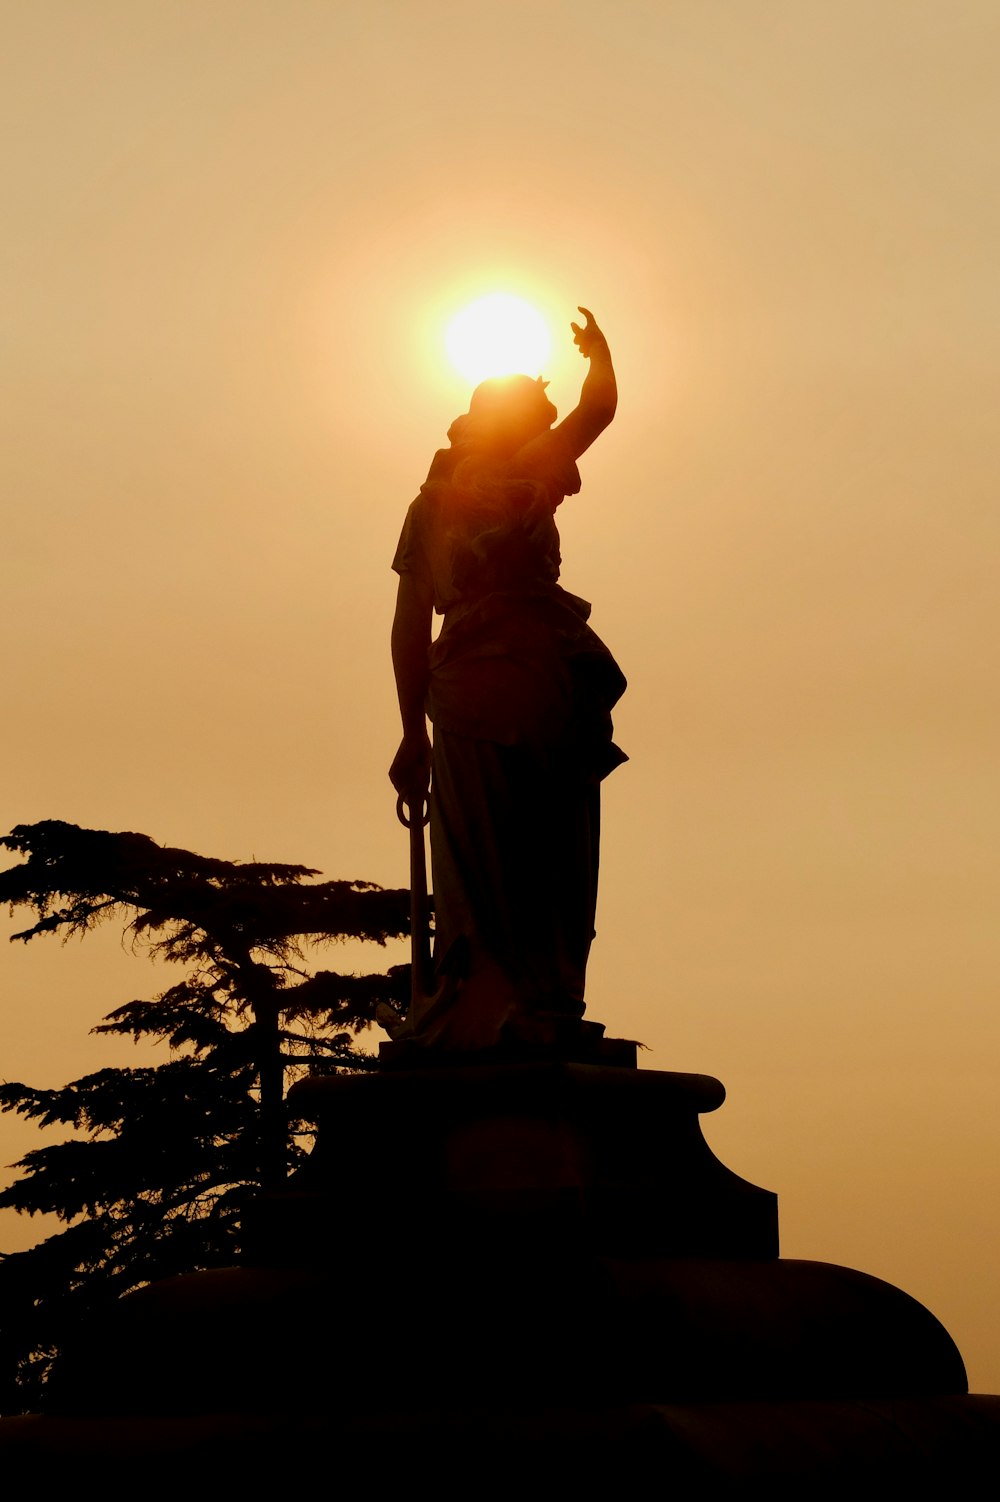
x,y
410,773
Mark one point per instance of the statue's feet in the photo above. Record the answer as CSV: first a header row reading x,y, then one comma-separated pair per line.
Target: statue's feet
x,y
424,1011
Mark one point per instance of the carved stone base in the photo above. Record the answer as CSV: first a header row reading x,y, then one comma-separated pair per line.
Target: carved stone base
x,y
572,1157
530,1273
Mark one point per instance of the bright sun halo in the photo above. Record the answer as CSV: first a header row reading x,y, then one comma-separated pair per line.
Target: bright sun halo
x,y
498,335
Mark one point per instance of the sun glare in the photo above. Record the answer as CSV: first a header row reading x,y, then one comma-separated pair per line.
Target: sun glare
x,y
498,335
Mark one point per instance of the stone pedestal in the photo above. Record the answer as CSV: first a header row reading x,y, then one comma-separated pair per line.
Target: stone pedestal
x,y
528,1273
550,1157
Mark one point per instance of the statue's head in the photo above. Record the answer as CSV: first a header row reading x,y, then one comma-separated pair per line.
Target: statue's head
x,y
505,413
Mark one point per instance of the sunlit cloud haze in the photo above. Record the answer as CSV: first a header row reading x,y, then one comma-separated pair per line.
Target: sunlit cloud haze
x,y
234,235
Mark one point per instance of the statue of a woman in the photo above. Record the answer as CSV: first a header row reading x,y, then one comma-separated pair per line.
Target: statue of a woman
x,y
519,690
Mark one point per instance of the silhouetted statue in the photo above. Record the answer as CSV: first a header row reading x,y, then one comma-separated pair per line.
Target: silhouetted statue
x,y
519,690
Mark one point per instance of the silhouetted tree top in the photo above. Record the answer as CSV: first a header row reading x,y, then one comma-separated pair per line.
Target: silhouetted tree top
x,y
75,878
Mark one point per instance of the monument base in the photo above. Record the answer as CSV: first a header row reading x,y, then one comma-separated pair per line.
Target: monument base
x,y
547,1157
931,1447
525,1273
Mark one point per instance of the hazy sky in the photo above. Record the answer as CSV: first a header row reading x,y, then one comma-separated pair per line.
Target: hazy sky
x,y
233,232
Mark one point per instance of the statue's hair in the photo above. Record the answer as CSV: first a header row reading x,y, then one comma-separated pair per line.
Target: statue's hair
x,y
498,412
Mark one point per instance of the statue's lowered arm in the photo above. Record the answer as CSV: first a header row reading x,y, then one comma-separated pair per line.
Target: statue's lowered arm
x,y
411,637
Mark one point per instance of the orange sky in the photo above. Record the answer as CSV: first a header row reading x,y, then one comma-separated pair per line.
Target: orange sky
x,y
234,230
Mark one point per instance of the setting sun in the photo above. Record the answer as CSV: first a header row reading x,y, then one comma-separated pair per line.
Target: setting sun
x,y
498,335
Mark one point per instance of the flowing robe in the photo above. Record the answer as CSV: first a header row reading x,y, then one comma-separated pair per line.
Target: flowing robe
x,y
520,693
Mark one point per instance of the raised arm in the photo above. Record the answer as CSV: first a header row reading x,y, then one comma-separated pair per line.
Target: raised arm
x,y
599,396
411,638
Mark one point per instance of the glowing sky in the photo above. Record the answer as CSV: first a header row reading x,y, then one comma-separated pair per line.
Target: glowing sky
x,y
234,233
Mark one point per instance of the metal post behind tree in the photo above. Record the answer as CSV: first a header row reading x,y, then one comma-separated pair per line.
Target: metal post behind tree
x,y
420,943
425,1000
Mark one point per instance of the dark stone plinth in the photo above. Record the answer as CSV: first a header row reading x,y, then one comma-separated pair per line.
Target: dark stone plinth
x,y
926,1447
531,1274
548,1039
562,1155
493,1331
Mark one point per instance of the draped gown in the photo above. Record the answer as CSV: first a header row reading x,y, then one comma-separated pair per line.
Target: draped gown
x,y
520,693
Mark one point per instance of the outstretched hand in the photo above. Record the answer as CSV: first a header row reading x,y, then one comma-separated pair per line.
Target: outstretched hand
x,y
585,338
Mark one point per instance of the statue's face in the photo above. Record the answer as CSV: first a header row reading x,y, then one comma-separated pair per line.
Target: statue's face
x,y
536,413
530,423
549,413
